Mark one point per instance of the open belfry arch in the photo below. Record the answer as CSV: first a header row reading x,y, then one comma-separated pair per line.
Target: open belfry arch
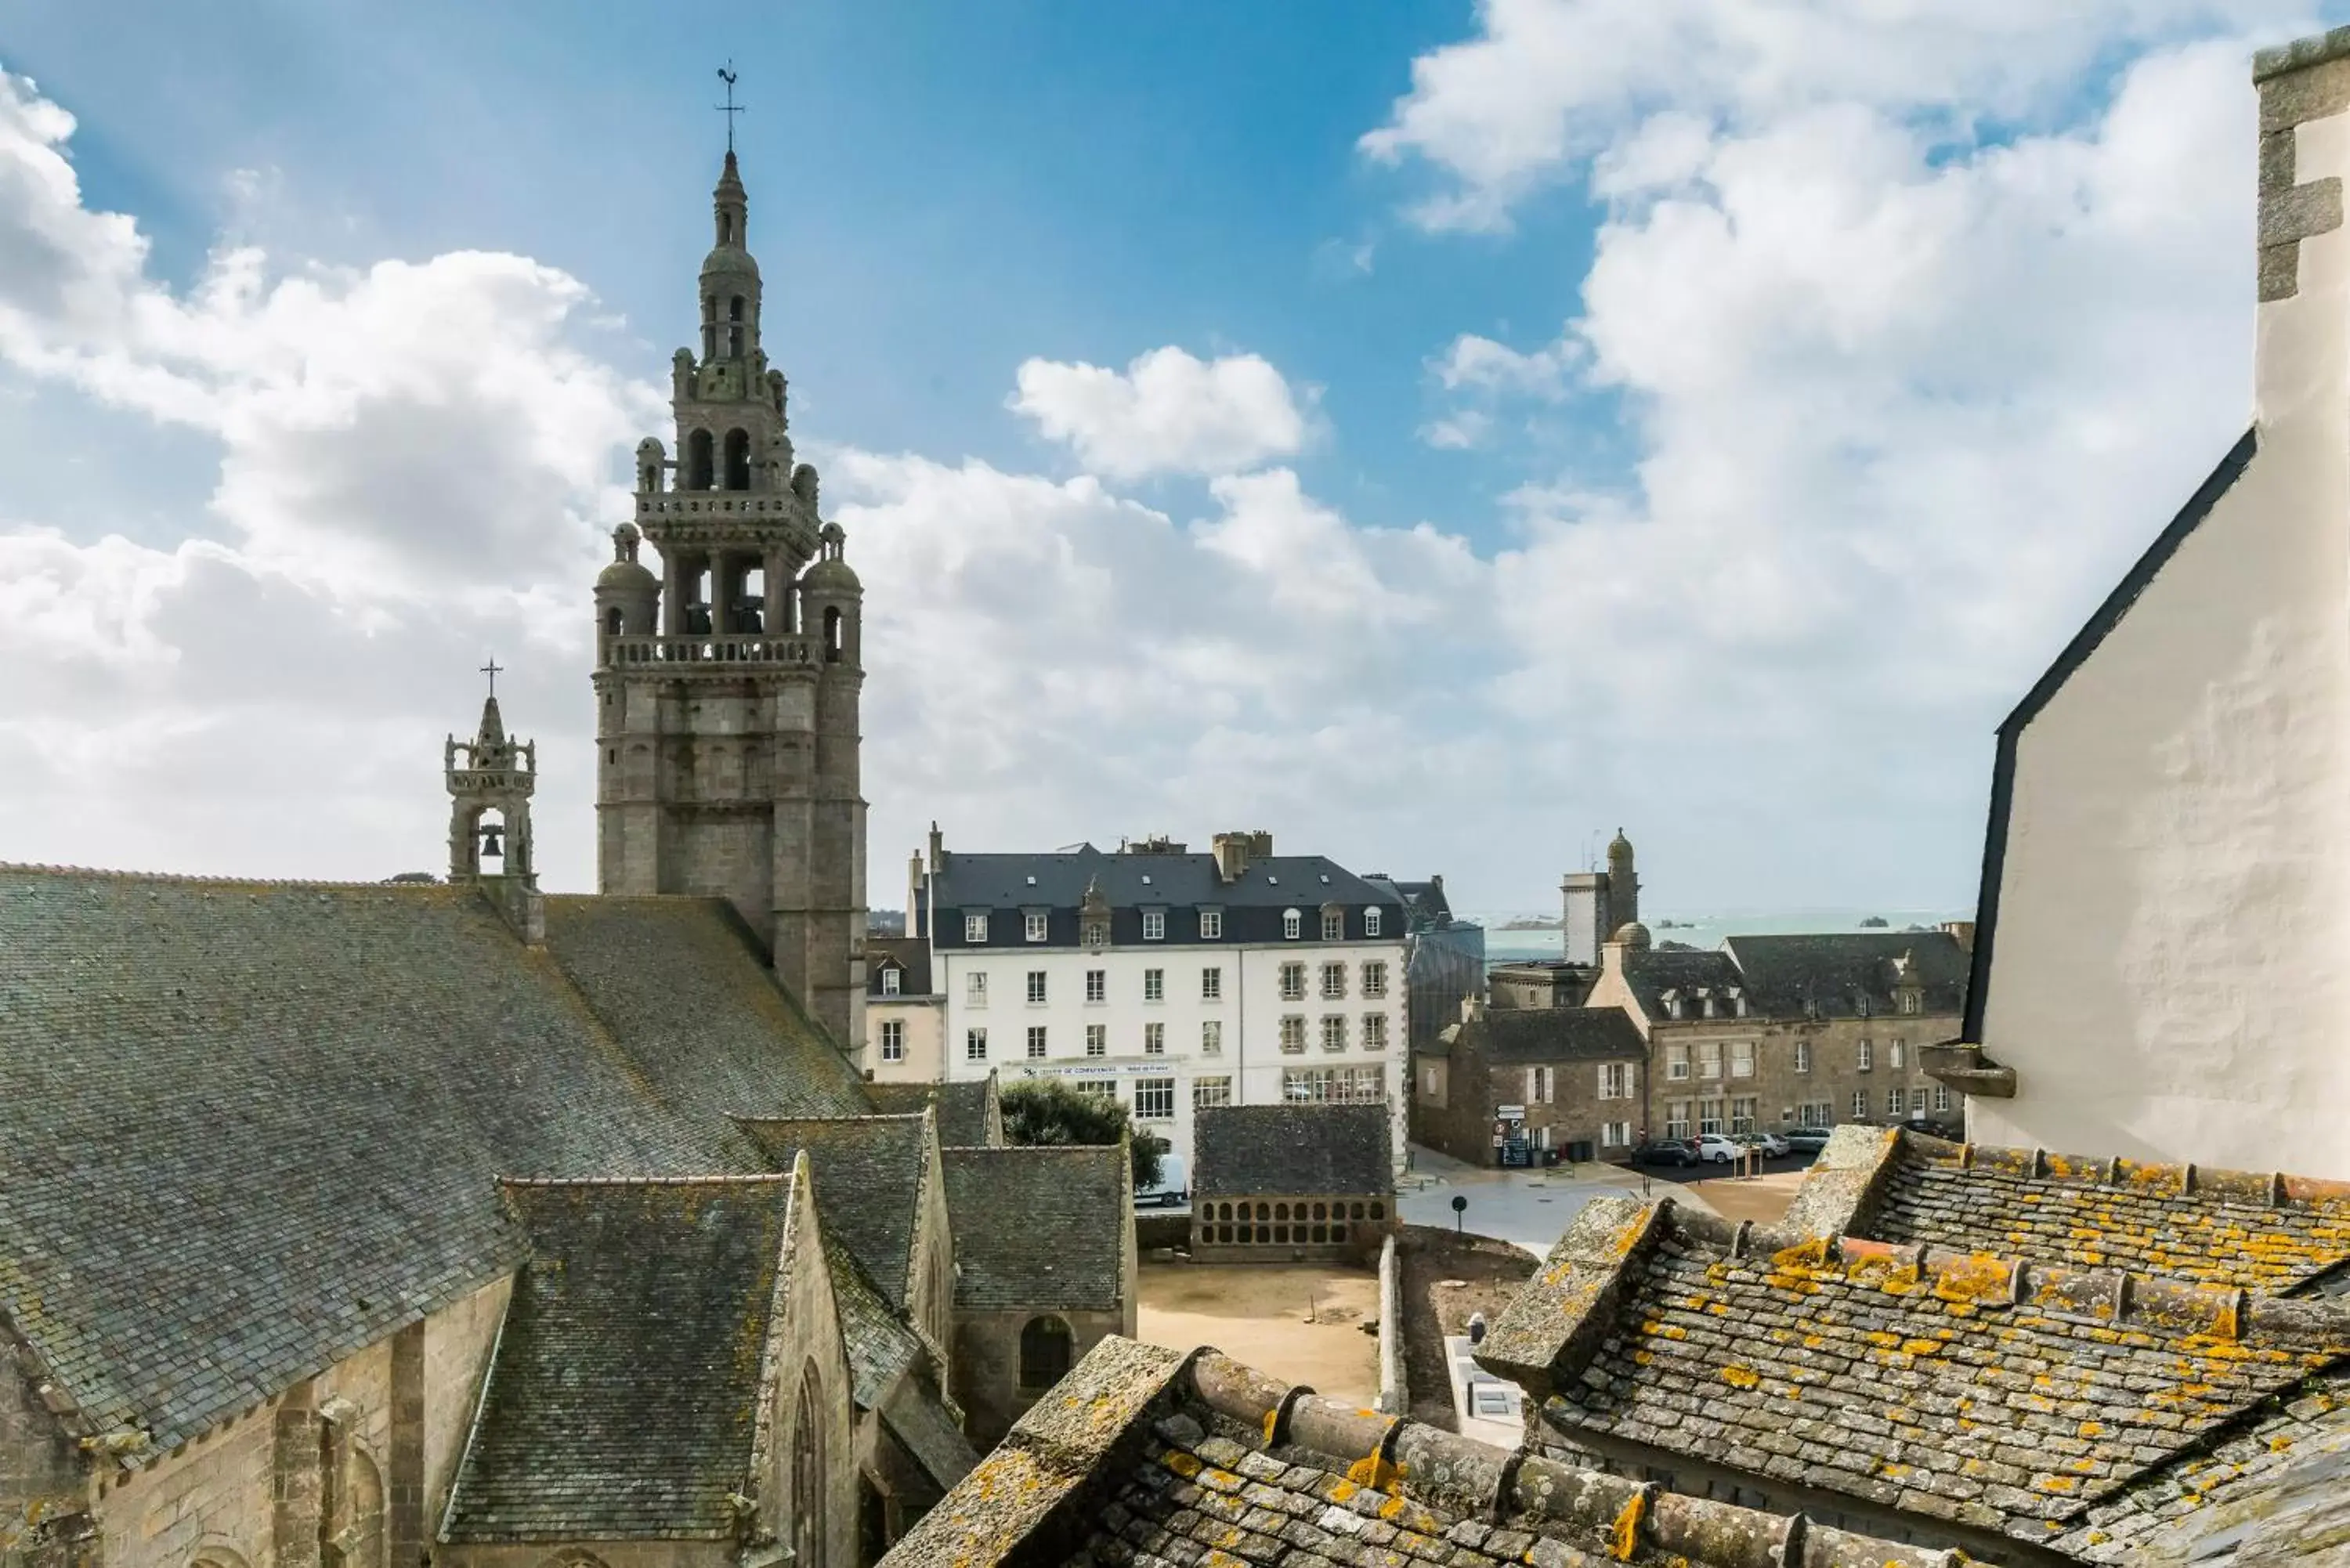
x,y
727,686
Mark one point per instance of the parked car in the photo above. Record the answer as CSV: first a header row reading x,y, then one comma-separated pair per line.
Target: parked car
x,y
1769,1145
1808,1140
1666,1151
1172,1188
1717,1148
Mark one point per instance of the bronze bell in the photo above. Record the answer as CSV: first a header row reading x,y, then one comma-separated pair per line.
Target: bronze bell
x,y
493,841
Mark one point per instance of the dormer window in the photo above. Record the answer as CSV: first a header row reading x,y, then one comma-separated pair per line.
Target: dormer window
x,y
1371,922
1705,1001
1671,998
1035,923
1096,934
1211,925
891,979
1911,1003
1154,924
1737,1000
1291,923
1333,925
974,928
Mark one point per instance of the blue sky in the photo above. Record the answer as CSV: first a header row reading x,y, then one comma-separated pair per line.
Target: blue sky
x,y
1698,417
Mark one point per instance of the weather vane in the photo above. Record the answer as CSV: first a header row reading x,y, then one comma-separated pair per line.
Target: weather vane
x,y
730,108
492,670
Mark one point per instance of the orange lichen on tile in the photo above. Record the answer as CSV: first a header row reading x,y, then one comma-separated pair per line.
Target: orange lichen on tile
x,y
1182,1463
1623,1537
1740,1376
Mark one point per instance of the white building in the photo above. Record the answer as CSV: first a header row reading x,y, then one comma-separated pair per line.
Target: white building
x,y
1168,979
2166,895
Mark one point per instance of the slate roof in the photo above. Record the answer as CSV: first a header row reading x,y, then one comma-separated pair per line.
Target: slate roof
x,y
2259,1230
969,1114
682,985
1559,1035
1266,1150
1836,975
911,954
1001,881
1997,1394
625,1392
1146,1455
1029,1227
868,1172
1649,973
250,1128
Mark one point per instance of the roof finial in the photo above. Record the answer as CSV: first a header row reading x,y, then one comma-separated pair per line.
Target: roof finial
x,y
730,108
494,670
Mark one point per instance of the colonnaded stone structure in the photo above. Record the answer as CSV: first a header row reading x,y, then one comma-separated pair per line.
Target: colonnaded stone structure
x,y
727,687
364,1225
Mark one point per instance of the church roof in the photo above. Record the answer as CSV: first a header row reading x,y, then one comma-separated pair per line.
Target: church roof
x,y
624,1397
1028,1227
251,1128
869,1174
1148,1455
969,1113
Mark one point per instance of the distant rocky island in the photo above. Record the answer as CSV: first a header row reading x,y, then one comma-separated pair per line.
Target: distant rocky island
x,y
1875,923
1532,923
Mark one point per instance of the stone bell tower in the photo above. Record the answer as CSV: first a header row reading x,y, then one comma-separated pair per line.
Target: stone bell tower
x,y
727,688
491,779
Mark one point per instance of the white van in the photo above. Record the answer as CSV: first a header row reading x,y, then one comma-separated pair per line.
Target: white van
x,y
1172,1189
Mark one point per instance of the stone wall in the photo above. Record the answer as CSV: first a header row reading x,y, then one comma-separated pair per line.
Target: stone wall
x,y
42,1490
1318,1227
987,1364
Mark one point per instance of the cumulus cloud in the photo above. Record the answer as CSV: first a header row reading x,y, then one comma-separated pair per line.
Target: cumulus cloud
x,y
1544,84
1167,412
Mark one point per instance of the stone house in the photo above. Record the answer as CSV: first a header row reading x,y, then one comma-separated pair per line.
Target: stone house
x,y
2027,1358
1282,1183
1540,982
2161,916
1771,1033
1148,1455
1569,1079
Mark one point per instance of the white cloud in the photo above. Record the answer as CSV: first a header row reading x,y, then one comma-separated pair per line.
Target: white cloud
x,y
1167,412
1545,83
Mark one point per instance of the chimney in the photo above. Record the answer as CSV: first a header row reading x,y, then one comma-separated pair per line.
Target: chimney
x,y
1234,851
1472,1008
912,927
2300,364
938,847
1962,933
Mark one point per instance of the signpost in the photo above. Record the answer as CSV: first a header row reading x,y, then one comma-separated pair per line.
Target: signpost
x,y
1459,1207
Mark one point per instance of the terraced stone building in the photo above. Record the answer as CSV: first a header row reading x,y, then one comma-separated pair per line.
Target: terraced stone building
x,y
2031,1358
363,1226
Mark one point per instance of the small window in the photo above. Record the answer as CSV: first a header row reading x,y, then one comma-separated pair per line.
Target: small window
x,y
1207,1092
1212,985
1612,1081
1909,1002
974,928
1154,1039
1096,934
974,988
1867,1061
1097,1038
1896,1053
892,980
1293,1034
1334,983
1677,1118
1802,1055
1859,1103
1211,1037
1897,1104
1676,1063
1154,924
893,1040
1293,982
1742,1059
1942,1097
1333,1031
1742,1116
1375,979
1371,922
1045,1352
974,1045
1538,1086
1154,985
1036,985
1211,925
1333,925
1036,926
1290,923
1097,985
1375,1030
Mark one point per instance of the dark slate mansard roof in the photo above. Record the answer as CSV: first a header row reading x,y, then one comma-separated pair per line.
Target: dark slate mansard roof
x,y
1149,1456
1248,1151
910,955
1836,975
251,1128
1252,902
625,1394
1027,1230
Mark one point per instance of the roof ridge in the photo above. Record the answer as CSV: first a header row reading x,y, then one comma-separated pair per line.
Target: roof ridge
x,y
745,1119
2153,1179
745,1178
207,879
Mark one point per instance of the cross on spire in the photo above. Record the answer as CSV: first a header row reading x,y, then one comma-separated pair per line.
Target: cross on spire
x,y
730,108
492,669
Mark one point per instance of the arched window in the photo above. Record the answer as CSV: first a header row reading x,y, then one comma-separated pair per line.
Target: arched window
x,y
350,1502
734,308
1290,921
612,621
709,335
1044,1353
699,460
807,1471
726,228
738,460
832,634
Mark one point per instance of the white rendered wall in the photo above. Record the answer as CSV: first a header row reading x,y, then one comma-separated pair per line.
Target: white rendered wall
x,y
2169,977
1251,1011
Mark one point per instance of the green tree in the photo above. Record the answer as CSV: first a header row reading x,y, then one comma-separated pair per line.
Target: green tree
x,y
1049,1111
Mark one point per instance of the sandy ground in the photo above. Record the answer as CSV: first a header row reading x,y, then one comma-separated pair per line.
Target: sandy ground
x,y
1763,1199
1258,1314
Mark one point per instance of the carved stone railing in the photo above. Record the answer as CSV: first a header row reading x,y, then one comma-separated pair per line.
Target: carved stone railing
x,y
730,649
